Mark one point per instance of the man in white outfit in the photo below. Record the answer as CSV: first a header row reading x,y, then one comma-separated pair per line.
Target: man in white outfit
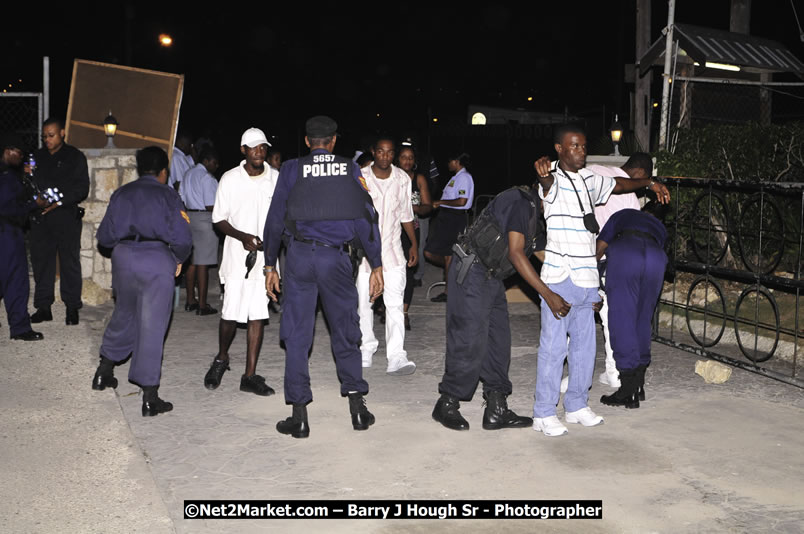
x,y
390,189
241,206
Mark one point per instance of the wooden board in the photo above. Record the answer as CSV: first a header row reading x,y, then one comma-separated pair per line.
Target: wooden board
x,y
145,103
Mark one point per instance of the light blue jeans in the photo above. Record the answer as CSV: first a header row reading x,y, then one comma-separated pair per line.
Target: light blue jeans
x,y
580,325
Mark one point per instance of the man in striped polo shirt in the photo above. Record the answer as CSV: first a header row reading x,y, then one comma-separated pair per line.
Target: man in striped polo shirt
x,y
570,192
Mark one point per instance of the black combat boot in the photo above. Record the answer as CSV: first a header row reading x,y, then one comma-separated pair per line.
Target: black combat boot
x,y
361,417
151,403
447,413
628,394
296,425
640,374
104,375
497,414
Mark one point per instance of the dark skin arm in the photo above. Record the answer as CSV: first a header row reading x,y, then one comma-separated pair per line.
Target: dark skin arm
x,y
601,249
516,254
455,203
248,240
413,255
426,205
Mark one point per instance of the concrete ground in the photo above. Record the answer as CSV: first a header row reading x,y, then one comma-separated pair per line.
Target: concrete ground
x,y
694,458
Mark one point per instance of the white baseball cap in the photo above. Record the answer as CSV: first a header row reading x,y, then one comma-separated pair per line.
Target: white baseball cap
x,y
253,137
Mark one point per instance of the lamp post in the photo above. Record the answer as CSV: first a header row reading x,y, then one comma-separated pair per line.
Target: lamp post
x,y
616,135
110,128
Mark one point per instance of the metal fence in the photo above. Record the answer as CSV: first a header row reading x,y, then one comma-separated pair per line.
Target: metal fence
x,y
23,113
735,250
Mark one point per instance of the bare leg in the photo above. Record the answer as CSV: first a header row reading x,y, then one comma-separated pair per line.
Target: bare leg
x,y
189,281
203,284
226,334
254,334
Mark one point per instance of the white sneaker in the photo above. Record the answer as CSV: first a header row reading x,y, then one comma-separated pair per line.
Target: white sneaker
x,y
367,360
584,416
610,379
401,367
564,384
550,426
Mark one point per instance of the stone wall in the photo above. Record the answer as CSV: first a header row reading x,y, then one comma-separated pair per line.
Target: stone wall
x,y
108,170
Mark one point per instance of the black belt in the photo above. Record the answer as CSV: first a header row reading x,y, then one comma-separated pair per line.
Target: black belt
x,y
140,239
196,210
636,233
344,247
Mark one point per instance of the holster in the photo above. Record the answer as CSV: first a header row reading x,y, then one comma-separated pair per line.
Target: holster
x,y
465,262
356,255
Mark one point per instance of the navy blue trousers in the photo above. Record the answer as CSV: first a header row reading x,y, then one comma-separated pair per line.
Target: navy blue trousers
x,y
478,335
142,279
634,277
312,271
14,285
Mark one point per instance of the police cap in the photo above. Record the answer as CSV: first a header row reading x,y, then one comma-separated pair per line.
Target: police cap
x,y
321,126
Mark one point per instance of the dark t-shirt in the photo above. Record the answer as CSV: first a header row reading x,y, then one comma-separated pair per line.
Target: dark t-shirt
x,y
512,211
630,219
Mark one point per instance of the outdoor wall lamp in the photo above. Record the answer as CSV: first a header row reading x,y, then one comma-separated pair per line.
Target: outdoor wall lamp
x,y
110,128
616,135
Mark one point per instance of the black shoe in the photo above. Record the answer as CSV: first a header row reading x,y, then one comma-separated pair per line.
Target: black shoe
x,y
30,335
41,315
497,414
439,298
72,316
446,412
296,425
101,382
206,310
191,306
417,282
255,384
155,407
640,376
407,323
628,394
361,417
213,377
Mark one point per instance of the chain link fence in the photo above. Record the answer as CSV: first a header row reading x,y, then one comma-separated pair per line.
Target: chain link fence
x,y
22,113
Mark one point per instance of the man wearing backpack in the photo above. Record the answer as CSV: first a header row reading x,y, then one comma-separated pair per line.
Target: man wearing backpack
x,y
497,244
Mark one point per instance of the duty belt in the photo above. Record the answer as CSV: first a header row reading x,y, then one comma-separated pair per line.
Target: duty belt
x,y
140,239
636,233
344,247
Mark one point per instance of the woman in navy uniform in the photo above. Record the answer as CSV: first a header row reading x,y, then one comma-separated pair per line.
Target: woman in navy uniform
x,y
149,234
323,197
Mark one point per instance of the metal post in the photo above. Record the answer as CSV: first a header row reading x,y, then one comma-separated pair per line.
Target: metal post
x,y
46,85
668,52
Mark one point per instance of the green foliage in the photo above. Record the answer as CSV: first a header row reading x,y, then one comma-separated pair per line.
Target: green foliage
x,y
750,152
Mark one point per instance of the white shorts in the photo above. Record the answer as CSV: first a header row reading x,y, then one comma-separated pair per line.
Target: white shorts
x,y
245,299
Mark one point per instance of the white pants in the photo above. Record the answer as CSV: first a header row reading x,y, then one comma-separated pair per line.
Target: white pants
x,y
611,366
393,294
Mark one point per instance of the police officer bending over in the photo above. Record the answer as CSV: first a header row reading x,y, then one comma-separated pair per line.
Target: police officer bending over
x,y
497,244
321,205
150,237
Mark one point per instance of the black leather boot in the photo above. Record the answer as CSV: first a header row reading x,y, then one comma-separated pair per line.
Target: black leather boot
x,y
628,394
104,375
497,414
361,417
447,413
296,425
151,403
640,374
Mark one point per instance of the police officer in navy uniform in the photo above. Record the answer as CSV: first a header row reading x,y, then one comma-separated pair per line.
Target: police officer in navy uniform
x,y
321,205
15,205
497,244
149,234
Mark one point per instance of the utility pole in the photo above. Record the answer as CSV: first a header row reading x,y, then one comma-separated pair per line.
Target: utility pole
x,y
668,57
642,103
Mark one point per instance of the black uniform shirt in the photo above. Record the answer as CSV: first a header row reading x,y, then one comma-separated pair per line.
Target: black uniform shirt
x,y
66,169
512,211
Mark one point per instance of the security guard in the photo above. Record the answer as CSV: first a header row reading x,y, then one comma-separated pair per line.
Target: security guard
x,y
14,207
633,242
321,205
497,244
149,234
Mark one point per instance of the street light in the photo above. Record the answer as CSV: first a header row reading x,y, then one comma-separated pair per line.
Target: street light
x,y
110,128
165,39
616,135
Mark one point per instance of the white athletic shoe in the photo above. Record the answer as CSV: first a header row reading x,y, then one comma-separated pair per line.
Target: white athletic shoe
x,y
367,360
401,367
610,379
564,384
584,416
549,426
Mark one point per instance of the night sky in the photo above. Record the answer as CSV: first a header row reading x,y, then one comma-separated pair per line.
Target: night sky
x,y
273,65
